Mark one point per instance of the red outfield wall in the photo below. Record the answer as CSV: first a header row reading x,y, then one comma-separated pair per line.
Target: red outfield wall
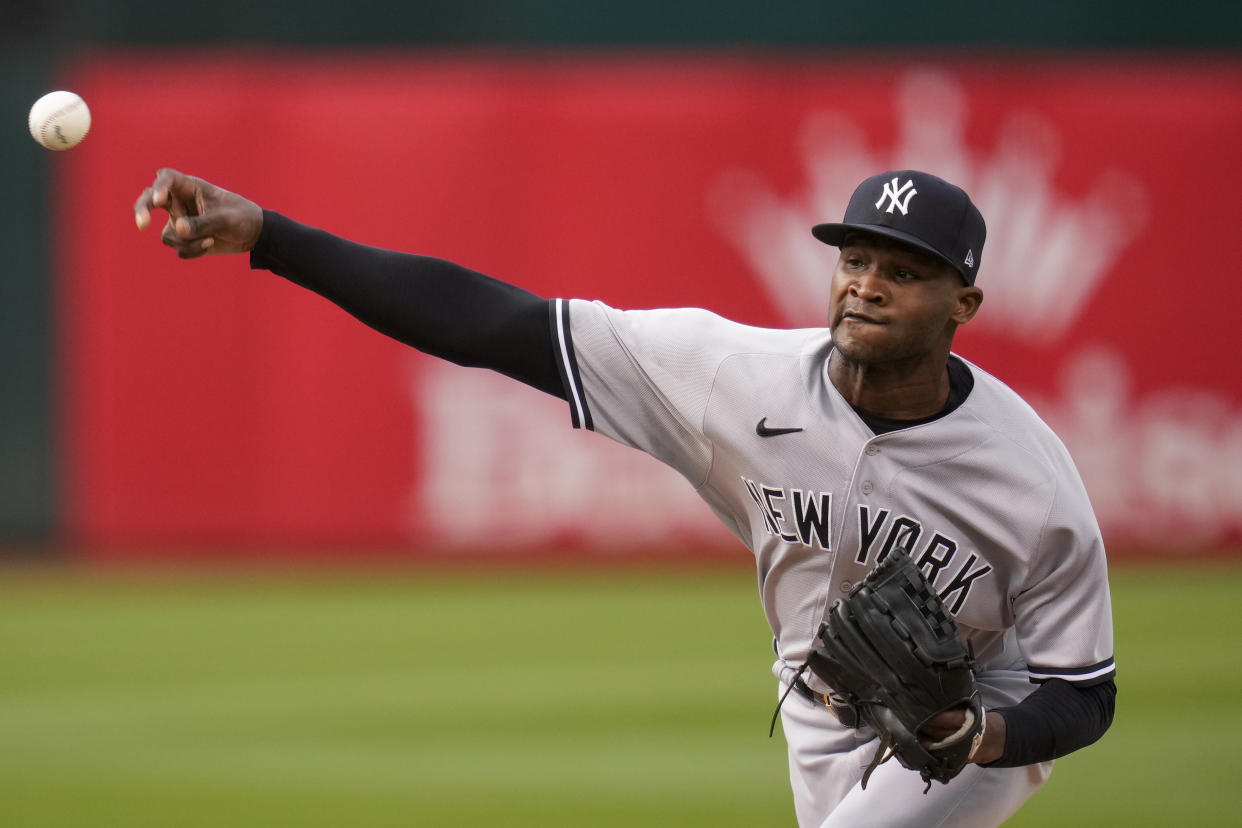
x,y
206,404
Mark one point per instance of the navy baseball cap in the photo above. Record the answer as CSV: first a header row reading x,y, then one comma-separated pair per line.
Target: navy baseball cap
x,y
919,209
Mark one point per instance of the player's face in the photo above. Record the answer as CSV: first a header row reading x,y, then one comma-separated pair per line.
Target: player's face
x,y
892,303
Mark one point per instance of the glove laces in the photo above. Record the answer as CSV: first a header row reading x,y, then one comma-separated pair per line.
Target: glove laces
x,y
777,712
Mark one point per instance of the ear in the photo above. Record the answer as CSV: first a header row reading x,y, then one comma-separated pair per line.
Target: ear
x,y
967,305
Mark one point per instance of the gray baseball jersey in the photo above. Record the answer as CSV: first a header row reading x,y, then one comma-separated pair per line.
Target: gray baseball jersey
x,y
986,498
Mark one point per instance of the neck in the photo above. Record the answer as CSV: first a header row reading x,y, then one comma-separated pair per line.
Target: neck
x,y
894,390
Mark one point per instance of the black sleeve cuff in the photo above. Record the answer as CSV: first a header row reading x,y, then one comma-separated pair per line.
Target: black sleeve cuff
x,y
261,255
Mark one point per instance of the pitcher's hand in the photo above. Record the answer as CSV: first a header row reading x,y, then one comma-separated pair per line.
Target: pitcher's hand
x,y
991,746
202,218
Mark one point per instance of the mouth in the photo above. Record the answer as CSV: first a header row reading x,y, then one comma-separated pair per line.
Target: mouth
x,y
862,318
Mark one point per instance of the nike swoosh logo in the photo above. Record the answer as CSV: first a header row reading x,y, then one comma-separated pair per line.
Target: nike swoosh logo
x,y
763,431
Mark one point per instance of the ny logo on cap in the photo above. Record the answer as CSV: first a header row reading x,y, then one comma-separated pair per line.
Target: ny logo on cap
x,y
893,193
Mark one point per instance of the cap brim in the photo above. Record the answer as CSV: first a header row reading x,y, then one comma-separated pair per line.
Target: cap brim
x,y
835,235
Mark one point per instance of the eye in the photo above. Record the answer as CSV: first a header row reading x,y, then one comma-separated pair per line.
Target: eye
x,y
905,275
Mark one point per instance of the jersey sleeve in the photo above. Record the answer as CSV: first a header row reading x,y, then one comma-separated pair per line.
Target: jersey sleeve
x,y
1063,614
643,377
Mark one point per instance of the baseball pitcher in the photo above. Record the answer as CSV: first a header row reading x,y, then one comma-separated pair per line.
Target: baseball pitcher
x,y
926,554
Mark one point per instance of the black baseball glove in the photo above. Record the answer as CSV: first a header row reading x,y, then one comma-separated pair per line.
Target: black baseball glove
x,y
894,659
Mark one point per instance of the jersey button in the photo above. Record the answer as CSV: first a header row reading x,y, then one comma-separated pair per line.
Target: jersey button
x,y
872,451
867,488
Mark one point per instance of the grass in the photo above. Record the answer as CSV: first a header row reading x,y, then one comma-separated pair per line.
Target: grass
x,y
508,698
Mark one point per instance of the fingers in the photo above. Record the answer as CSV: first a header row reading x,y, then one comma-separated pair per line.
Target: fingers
x,y
199,231
943,724
180,195
152,197
968,724
172,191
143,207
188,246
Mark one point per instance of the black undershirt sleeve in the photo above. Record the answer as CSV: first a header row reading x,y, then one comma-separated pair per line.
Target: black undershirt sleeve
x,y
1057,719
436,306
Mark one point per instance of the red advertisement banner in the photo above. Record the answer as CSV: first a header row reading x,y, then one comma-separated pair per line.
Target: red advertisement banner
x,y
207,404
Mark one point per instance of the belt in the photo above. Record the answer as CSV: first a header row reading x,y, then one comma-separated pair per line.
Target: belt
x,y
843,712
804,690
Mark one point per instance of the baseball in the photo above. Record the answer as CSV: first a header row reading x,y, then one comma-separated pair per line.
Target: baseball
x,y
59,120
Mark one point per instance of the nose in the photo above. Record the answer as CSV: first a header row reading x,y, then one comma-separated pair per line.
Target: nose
x,y
866,285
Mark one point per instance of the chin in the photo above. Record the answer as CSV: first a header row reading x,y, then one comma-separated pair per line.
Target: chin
x,y
857,349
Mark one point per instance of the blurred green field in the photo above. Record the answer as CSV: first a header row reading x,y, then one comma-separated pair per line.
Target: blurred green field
x,y
473,698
